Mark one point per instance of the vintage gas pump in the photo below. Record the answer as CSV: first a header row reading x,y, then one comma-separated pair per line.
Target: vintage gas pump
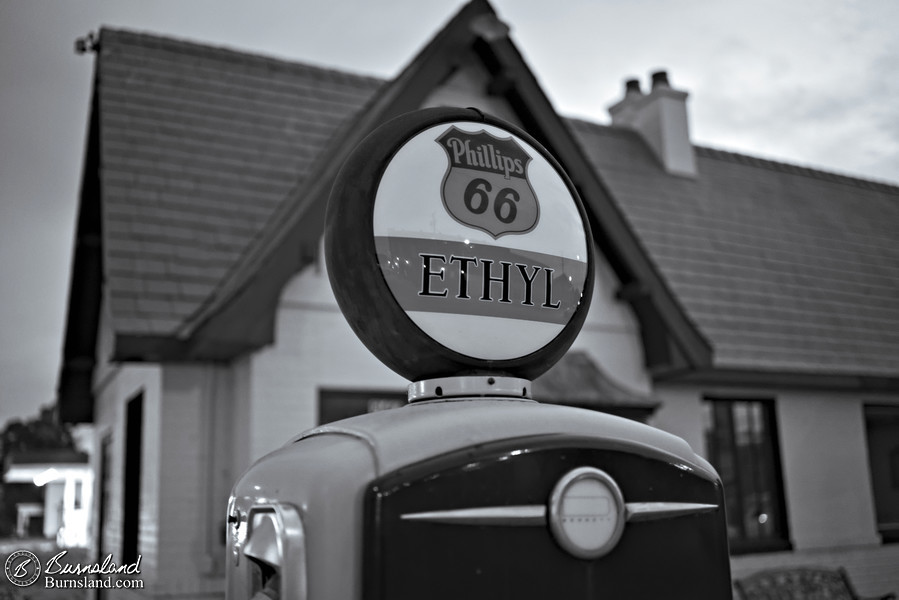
x,y
461,256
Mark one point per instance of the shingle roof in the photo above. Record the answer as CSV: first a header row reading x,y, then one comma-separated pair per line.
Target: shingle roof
x,y
576,380
198,146
783,268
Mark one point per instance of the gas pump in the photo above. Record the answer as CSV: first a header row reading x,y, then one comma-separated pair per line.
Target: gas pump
x,y
460,254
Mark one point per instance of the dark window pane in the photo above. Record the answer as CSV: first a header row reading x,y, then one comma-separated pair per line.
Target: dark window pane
x,y
741,438
882,427
134,416
334,405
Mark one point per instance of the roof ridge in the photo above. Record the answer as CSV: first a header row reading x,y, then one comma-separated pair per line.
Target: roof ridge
x,y
302,197
795,169
232,55
757,161
475,24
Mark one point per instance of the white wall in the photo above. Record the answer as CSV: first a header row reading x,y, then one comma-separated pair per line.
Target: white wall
x,y
195,473
53,507
241,411
826,479
191,413
467,87
824,457
314,349
825,463
75,521
114,386
611,333
681,413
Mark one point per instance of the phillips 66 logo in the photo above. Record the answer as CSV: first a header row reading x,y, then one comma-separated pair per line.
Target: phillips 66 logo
x,y
486,185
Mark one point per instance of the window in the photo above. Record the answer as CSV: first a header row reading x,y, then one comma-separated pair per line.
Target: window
x,y
882,427
335,405
741,439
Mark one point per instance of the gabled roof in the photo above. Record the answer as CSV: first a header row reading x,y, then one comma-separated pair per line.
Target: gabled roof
x,y
476,35
576,380
198,147
207,172
191,148
197,170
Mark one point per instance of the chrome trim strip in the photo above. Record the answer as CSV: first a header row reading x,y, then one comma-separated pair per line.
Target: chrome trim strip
x,y
652,511
534,514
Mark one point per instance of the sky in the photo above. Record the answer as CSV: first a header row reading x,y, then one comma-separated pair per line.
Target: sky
x,y
812,82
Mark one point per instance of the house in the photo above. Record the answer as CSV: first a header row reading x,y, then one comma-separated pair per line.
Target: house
x,y
66,480
746,305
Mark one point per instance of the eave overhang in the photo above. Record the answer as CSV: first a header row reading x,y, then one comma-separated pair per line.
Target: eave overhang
x,y
733,377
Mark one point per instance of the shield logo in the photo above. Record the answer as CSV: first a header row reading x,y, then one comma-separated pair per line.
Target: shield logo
x,y
486,185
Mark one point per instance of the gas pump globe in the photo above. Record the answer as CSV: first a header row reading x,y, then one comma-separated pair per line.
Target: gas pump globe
x,y
460,254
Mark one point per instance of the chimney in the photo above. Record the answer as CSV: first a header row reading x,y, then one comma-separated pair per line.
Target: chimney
x,y
660,117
